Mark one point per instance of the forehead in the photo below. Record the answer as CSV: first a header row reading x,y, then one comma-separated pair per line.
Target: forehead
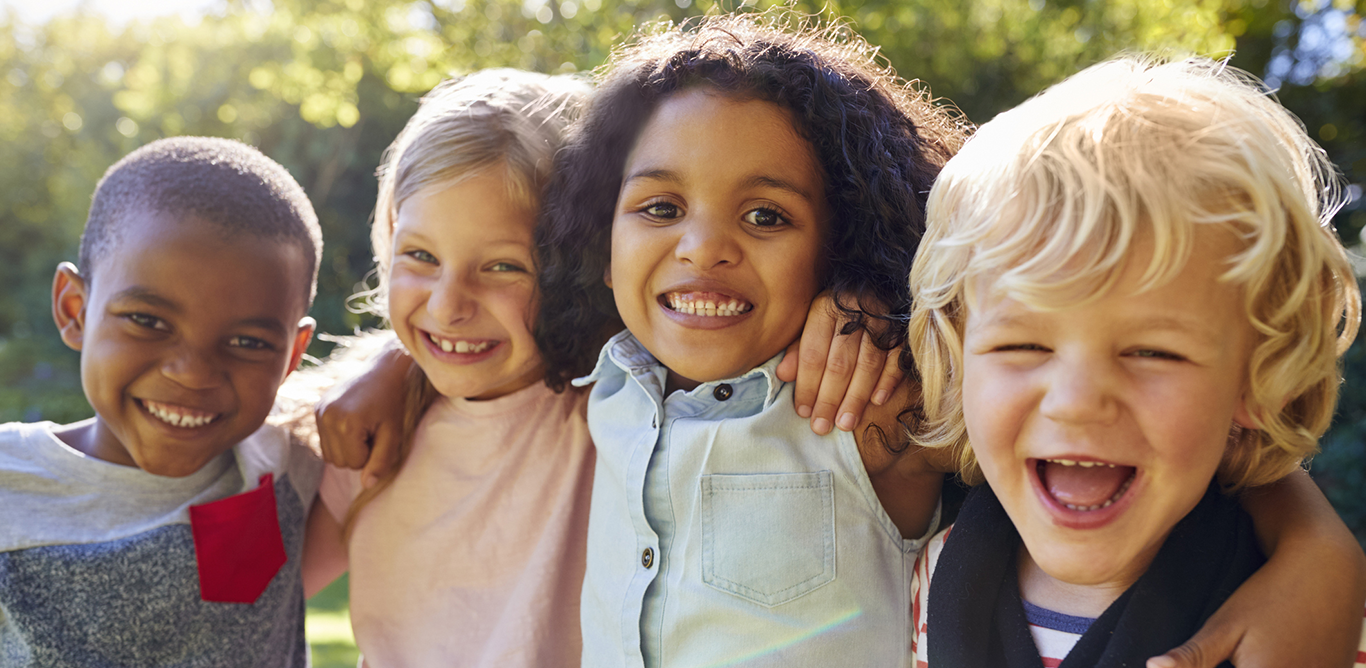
x,y
478,210
1197,298
190,261
712,130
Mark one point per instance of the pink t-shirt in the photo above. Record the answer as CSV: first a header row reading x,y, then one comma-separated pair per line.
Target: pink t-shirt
x,y
474,555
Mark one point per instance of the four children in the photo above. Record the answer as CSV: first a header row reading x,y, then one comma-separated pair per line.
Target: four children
x,y
1105,343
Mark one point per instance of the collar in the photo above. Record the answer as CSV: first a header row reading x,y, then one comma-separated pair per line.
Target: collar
x,y
625,354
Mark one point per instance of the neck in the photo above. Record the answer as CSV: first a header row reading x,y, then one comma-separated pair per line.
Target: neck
x,y
1046,591
677,382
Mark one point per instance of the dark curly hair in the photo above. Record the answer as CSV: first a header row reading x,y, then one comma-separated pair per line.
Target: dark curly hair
x,y
880,142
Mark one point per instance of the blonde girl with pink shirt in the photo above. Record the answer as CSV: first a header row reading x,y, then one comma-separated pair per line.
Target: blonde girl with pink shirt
x,y
469,549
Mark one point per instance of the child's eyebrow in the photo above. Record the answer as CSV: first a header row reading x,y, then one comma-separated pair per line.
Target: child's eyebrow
x,y
762,181
756,181
654,175
147,296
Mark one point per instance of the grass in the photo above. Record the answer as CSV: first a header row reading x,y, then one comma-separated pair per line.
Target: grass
x,y
328,627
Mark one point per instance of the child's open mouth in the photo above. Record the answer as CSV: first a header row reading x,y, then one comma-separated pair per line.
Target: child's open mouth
x,y
712,304
462,346
1084,485
178,416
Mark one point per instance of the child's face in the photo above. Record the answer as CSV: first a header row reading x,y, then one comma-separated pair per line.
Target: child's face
x,y
462,289
1121,408
717,243
185,335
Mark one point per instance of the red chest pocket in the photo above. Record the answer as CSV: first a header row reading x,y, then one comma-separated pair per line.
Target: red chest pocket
x,y
237,544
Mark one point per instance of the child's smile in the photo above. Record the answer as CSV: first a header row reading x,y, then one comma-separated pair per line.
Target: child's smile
x,y
719,235
1101,425
461,291
185,334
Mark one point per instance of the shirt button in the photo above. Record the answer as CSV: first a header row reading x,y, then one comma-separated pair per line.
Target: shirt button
x,y
647,558
722,392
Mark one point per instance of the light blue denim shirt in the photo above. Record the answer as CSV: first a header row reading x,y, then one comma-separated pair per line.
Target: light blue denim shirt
x,y
724,532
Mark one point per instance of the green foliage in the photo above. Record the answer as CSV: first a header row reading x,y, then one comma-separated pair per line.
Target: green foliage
x,y
323,85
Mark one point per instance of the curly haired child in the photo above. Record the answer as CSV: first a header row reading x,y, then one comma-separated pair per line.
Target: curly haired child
x,y
1129,304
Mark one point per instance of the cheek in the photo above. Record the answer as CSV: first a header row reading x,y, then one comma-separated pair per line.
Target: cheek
x,y
515,308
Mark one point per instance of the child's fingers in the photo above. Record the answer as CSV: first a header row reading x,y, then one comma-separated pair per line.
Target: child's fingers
x,y
811,356
867,370
892,375
787,368
1207,649
342,441
840,364
384,456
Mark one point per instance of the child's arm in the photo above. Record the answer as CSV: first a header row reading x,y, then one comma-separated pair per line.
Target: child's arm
x,y
1304,607
324,552
836,373
907,478
360,419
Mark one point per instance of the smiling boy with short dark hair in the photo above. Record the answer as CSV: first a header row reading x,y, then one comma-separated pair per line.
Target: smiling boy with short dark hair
x,y
167,530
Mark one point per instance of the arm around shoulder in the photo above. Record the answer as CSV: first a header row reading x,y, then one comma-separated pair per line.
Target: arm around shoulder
x,y
905,477
1304,606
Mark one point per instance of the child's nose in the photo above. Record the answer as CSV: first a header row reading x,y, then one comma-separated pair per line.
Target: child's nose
x,y
193,367
707,242
1078,392
451,300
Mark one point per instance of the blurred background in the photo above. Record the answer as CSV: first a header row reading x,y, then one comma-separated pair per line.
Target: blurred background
x,y
323,87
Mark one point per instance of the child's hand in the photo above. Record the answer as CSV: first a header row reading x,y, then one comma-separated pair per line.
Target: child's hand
x,y
360,420
837,373
1304,607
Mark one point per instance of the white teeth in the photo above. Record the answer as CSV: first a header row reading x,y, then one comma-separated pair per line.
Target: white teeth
x,y
177,419
448,345
1073,462
706,307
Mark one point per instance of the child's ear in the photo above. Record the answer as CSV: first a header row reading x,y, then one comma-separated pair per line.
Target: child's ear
x,y
607,275
1242,416
301,339
69,297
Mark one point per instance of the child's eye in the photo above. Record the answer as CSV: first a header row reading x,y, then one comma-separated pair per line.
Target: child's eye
x,y
422,256
662,210
147,321
250,343
1020,348
764,217
1148,353
506,266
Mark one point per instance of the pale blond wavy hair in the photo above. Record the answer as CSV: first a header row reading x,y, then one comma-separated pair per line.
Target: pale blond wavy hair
x,y
1047,202
496,119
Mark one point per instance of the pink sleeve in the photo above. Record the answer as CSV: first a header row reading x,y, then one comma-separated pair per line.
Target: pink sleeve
x,y
338,489
1361,652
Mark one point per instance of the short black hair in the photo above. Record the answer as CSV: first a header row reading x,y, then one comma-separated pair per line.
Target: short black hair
x,y
227,183
879,142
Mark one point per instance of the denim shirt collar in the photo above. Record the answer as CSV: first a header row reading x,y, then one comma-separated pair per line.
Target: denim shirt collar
x,y
623,353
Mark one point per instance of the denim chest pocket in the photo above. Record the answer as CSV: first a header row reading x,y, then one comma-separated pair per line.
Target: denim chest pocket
x,y
768,538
